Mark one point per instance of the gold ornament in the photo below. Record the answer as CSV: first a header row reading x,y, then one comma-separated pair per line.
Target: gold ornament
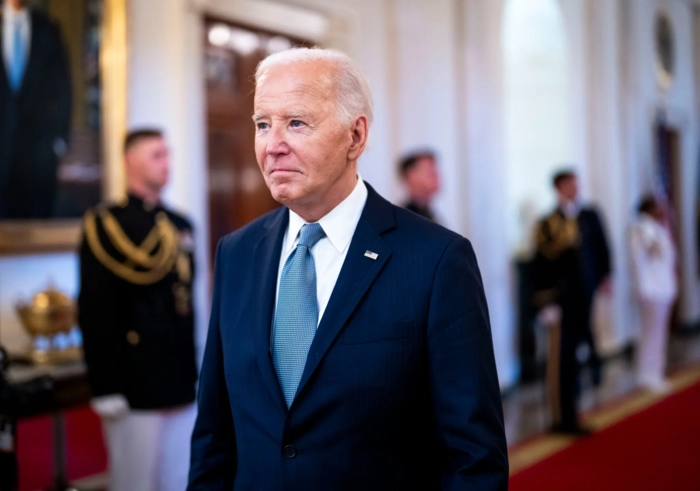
x,y
49,315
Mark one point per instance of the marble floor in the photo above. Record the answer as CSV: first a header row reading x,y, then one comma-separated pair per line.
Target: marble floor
x,y
525,408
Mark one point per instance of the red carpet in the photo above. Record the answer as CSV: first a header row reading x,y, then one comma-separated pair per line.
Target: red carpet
x,y
85,450
656,449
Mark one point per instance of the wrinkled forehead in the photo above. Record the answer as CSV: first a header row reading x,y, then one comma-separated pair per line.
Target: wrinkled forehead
x,y
309,82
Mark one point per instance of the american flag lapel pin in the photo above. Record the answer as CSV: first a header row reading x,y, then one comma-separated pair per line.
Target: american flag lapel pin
x,y
371,255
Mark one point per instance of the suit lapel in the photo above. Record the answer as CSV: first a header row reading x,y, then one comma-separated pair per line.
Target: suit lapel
x,y
3,69
356,276
33,61
266,261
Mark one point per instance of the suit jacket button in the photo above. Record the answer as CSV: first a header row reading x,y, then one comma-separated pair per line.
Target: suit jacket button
x,y
290,451
133,337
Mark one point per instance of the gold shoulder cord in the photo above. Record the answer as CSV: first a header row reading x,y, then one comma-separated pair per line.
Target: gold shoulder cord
x,y
563,234
140,255
158,265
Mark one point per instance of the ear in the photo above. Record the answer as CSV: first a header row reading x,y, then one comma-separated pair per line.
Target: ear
x,y
128,161
359,134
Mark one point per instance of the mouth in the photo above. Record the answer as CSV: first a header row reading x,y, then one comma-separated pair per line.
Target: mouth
x,y
283,171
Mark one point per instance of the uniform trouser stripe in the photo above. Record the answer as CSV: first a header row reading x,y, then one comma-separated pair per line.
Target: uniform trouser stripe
x,y
553,372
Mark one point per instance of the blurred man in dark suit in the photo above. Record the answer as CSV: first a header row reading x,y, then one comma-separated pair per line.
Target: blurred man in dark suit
x,y
35,112
571,263
422,180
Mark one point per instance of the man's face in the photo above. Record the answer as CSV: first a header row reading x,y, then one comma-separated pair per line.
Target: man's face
x,y
301,147
657,212
568,188
16,4
423,180
148,162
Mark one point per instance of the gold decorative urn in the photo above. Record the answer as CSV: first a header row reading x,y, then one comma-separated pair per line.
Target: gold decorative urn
x,y
49,317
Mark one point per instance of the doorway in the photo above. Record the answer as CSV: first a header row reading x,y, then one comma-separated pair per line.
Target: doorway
x,y
668,174
237,190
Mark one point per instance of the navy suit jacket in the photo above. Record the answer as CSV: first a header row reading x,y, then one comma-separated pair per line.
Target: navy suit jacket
x,y
31,122
399,390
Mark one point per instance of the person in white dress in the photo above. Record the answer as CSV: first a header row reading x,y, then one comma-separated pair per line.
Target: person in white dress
x,y
653,255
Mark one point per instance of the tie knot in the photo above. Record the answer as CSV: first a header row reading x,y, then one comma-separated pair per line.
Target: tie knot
x,y
310,234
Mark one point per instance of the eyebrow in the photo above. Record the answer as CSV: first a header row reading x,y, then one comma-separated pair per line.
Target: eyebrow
x,y
295,115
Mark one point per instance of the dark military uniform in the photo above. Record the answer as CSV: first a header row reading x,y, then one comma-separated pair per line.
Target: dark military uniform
x,y
571,262
421,210
135,304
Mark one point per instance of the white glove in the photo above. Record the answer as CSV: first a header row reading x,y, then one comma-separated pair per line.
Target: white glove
x,y
550,315
114,406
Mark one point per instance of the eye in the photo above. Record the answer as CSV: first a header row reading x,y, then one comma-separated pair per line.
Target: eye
x,y
262,126
295,123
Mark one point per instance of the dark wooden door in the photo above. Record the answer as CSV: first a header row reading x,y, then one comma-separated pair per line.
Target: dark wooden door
x,y
237,190
668,175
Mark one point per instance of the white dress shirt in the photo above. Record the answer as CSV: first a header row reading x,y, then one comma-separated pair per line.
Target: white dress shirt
x,y
329,252
10,19
653,260
570,209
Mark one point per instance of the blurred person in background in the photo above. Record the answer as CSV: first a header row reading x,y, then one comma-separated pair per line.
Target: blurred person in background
x,y
35,111
422,180
135,311
653,257
572,262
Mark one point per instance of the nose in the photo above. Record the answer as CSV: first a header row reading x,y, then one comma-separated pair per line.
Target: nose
x,y
276,143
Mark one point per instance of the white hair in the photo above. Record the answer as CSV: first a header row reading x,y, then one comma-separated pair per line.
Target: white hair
x,y
354,97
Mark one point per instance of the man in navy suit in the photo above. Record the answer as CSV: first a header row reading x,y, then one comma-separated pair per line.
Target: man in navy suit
x,y
349,345
35,111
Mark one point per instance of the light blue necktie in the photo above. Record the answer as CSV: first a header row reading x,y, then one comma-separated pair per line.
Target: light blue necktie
x,y
19,55
296,318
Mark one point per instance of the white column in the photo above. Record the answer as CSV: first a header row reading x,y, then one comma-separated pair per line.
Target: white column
x,y
484,184
574,13
606,163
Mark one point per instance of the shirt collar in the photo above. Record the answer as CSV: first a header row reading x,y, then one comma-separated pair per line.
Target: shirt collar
x,y
647,219
139,202
570,209
10,15
339,224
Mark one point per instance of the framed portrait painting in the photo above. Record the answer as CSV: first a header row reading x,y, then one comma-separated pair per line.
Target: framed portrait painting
x,y
61,61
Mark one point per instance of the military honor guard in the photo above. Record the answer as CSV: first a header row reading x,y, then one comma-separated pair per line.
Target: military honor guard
x,y
654,257
571,263
135,311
